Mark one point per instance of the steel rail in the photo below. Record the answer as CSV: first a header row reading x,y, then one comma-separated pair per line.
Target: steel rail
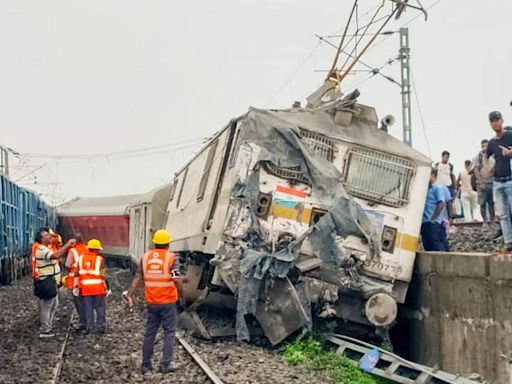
x,y
60,362
204,366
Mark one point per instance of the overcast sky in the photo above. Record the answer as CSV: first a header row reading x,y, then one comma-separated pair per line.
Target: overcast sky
x,y
87,77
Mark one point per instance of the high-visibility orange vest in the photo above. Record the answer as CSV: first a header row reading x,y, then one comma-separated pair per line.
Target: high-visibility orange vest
x,y
74,253
90,277
159,284
54,247
35,272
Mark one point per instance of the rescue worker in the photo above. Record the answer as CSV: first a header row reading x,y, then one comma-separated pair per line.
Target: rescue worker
x,y
45,286
72,278
35,246
159,269
92,287
54,246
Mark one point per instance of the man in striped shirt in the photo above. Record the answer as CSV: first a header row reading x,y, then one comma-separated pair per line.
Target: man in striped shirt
x,y
49,279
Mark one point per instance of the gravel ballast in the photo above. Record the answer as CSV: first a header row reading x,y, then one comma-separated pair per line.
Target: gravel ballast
x,y
115,357
474,238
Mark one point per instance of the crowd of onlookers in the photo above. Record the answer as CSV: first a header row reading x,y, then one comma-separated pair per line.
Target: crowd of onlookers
x,y
482,191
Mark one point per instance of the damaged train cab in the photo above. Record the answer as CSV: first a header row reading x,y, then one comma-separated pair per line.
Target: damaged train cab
x,y
289,215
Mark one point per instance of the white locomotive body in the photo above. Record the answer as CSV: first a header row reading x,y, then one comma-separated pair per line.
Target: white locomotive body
x,y
300,213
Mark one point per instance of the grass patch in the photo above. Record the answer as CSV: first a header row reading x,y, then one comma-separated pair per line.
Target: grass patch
x,y
335,366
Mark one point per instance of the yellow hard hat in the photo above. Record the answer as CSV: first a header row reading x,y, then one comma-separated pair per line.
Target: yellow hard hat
x,y
162,237
52,233
94,244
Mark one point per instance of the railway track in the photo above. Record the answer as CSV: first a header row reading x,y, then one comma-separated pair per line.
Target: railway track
x,y
199,361
123,343
60,361
194,355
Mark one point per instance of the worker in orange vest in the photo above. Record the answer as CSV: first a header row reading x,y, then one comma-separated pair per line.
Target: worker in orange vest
x,y
159,269
45,286
54,246
72,278
35,246
92,287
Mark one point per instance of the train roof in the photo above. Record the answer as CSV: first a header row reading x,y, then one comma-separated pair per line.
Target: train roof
x,y
97,206
359,131
362,128
150,196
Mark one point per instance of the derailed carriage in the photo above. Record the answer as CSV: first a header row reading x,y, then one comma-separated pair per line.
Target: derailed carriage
x,y
293,214
125,224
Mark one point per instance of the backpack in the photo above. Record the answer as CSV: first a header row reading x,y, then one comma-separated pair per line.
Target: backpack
x,y
436,166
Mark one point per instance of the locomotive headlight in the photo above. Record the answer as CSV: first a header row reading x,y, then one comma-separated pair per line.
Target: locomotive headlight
x,y
388,239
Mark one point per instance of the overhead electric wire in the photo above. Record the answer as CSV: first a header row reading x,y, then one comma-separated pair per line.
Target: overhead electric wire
x,y
374,72
372,69
324,39
292,75
386,34
31,172
420,112
340,46
367,13
406,24
147,151
364,34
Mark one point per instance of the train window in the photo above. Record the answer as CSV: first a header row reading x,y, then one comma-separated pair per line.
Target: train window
x,y
206,170
318,145
173,189
234,151
377,176
293,174
181,187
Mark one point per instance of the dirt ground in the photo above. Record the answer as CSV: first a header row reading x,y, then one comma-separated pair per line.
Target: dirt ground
x,y
116,356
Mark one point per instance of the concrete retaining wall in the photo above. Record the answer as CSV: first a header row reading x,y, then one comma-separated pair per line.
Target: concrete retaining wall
x,y
458,314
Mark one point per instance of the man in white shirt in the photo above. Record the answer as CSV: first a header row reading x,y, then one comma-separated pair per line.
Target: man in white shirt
x,y
446,178
484,172
468,196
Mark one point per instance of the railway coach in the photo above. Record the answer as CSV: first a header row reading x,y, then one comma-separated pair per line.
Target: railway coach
x,y
22,214
125,224
106,218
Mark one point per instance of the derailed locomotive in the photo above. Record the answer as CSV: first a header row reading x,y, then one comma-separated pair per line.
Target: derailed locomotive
x,y
298,213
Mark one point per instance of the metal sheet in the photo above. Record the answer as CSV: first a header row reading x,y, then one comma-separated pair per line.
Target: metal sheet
x,y
279,311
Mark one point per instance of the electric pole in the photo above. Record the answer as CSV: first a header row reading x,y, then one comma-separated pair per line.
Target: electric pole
x,y
406,85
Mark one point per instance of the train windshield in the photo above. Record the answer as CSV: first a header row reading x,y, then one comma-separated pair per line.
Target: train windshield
x,y
377,176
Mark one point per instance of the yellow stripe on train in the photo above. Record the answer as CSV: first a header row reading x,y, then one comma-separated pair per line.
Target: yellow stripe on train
x,y
300,214
303,215
407,242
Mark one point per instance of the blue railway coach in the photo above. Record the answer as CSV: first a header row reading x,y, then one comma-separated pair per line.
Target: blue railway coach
x,y
22,214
